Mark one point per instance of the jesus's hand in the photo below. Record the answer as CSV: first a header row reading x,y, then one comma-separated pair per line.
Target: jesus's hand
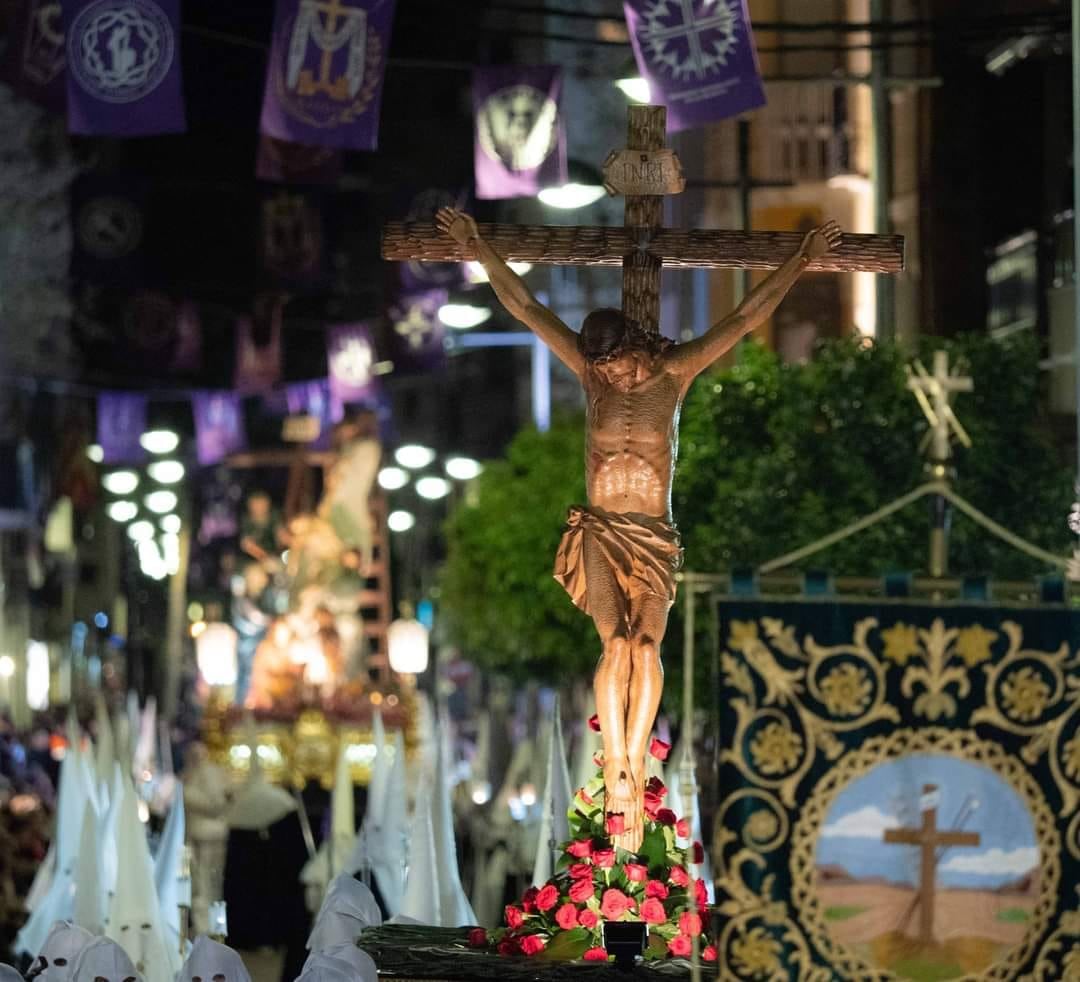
x,y
821,240
459,226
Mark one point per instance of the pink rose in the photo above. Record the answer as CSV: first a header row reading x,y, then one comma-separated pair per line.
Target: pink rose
x,y
547,898
655,786
532,943
566,917
652,911
635,872
594,723
679,877
659,749
680,945
514,917
614,904
654,888
604,858
581,848
682,828
595,955
709,954
581,890
588,919
579,871
690,923
508,946
615,824
528,901
701,893
665,816
477,938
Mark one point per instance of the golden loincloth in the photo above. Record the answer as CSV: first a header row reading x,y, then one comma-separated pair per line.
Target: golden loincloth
x,y
643,553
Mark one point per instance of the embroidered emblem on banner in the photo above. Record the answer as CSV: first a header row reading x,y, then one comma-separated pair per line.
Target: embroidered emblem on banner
x,y
121,50
352,361
688,43
322,29
109,227
519,126
292,235
43,56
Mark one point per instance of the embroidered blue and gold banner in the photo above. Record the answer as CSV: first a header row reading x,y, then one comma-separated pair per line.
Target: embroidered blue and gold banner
x,y
900,792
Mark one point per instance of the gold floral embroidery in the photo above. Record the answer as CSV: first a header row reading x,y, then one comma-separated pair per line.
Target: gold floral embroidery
x,y
743,633
1070,757
1024,694
776,749
762,826
847,690
901,642
973,644
1071,965
756,954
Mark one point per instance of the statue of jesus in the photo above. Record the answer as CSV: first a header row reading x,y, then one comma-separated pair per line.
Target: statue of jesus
x,y
620,553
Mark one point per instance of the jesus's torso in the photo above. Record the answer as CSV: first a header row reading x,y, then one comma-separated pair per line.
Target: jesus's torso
x,y
631,442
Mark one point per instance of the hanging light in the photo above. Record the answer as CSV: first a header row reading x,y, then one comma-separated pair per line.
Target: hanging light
x,y
462,316
159,441
462,468
122,511
120,482
7,666
414,456
37,675
166,471
400,521
140,531
161,502
171,524
392,478
215,654
635,89
95,453
433,488
407,641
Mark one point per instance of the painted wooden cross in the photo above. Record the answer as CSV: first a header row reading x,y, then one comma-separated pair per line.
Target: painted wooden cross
x,y
644,172
929,838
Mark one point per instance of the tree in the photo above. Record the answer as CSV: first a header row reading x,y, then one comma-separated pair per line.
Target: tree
x,y
772,457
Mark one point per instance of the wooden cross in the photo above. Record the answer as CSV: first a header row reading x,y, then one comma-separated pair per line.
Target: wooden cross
x,y
929,838
642,246
934,393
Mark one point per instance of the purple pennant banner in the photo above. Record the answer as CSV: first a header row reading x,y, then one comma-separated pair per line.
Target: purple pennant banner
x,y
324,76
258,354
291,237
419,335
187,352
219,425
295,163
314,399
123,60
121,420
520,141
350,356
36,56
698,57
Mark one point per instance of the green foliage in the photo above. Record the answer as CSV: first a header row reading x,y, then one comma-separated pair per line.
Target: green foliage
x,y
772,457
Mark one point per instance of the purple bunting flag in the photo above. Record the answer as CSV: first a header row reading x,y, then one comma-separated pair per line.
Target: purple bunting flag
x,y
520,141
219,425
258,358
294,163
324,76
121,420
350,356
291,237
419,335
36,57
123,75
187,352
698,57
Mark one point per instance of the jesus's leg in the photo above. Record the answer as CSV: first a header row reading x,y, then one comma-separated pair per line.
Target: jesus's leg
x,y
649,614
607,605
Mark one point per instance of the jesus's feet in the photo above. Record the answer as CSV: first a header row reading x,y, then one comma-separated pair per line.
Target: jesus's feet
x,y
622,796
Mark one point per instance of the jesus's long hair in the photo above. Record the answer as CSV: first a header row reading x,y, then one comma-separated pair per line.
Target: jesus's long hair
x,y
606,333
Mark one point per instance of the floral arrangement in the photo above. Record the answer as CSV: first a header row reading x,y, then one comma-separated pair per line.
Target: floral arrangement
x,y
596,882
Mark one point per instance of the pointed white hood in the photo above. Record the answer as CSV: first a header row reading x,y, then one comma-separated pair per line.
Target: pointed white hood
x,y
380,773
421,901
342,815
258,804
588,745
348,909
105,750
134,916
63,945
9,974
91,899
146,742
208,959
454,907
555,803
387,851
360,962
167,864
104,959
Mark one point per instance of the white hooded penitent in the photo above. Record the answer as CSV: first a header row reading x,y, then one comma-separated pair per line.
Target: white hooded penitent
x,y
104,961
555,803
91,898
348,909
454,907
421,902
209,961
62,947
167,864
360,963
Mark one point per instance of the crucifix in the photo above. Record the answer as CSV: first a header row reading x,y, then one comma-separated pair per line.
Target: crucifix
x,y
934,394
928,837
620,553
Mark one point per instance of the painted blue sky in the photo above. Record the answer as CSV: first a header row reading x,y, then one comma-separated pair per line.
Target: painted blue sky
x,y
888,797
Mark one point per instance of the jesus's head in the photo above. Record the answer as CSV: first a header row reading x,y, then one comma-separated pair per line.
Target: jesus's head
x,y
618,350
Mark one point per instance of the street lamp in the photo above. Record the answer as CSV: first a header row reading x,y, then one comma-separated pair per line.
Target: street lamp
x,y
432,488
120,482
407,641
462,468
414,456
159,441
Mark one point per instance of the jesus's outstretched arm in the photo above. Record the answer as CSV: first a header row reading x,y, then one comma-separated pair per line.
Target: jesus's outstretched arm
x,y
512,292
695,356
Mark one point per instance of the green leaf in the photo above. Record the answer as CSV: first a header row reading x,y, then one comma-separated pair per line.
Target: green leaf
x,y
566,946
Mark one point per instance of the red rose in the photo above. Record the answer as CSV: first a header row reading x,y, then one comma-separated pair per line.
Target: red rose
x,y
709,954
659,749
580,871
580,849
701,893
581,890
699,853
614,904
588,919
595,955
690,923
615,824
652,804
665,816
529,900
654,888
604,858
532,943
682,828
514,917
635,872
656,786
477,937
508,946
547,898
652,911
678,877
680,945
566,917
594,723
